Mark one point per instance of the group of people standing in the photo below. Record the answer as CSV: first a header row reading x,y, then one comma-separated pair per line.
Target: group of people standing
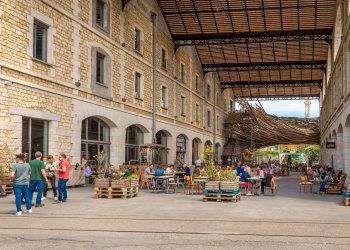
x,y
35,175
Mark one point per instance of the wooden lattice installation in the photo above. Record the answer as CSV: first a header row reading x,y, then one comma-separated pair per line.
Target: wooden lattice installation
x,y
254,127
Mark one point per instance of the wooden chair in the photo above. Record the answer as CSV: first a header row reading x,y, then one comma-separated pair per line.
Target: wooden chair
x,y
304,182
145,182
338,188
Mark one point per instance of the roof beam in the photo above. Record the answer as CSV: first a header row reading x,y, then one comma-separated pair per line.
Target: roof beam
x,y
251,37
265,66
267,84
267,98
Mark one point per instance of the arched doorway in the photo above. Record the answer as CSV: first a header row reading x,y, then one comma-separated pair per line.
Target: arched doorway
x,y
195,149
340,148
95,137
134,137
181,148
162,139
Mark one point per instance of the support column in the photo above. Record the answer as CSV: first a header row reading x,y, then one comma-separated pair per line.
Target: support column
x,y
346,142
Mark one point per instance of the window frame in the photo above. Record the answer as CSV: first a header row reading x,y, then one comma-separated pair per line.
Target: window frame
x,y
137,39
103,57
183,105
164,58
164,97
182,72
138,94
106,19
208,118
197,112
45,28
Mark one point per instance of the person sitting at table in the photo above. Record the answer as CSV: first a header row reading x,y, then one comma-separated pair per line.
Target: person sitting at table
x,y
239,169
187,170
159,171
170,169
148,171
199,171
268,181
243,180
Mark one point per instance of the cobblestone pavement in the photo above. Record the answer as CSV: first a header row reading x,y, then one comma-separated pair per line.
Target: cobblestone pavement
x,y
289,220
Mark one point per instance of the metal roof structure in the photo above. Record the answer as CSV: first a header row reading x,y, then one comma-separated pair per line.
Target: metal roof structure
x,y
260,48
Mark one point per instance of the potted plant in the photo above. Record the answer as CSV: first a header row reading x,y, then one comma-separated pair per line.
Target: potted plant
x,y
213,182
118,179
100,180
228,181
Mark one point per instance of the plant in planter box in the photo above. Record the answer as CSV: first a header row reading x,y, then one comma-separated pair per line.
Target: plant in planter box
x,y
100,181
212,183
228,180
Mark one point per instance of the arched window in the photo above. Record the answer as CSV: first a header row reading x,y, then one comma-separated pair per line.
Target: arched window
x,y
195,150
95,137
134,137
162,139
181,148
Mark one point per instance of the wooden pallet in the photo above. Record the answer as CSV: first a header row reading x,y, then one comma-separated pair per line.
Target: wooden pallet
x,y
346,201
222,197
121,193
7,188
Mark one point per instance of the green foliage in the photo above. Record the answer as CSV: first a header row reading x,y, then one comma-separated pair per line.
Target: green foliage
x,y
228,175
209,166
313,151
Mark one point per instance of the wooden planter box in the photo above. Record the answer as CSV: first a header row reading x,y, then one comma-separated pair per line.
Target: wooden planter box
x,y
120,183
102,183
6,180
212,185
229,186
134,183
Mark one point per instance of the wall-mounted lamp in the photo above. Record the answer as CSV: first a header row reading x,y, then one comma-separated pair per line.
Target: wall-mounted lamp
x,y
77,84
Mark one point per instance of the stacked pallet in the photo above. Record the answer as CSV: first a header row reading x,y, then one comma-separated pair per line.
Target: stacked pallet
x,y
121,193
220,196
7,185
122,188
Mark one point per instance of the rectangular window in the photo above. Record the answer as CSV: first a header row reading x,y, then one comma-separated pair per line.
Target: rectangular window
x,y
183,105
164,101
100,13
217,122
137,40
208,119
40,41
231,106
164,59
138,85
182,72
197,83
217,98
197,112
208,91
34,137
100,59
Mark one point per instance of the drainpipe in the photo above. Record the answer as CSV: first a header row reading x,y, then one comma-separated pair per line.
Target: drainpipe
x,y
214,132
154,57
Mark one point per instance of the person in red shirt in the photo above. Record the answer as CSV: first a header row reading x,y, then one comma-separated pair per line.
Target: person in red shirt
x,y
63,177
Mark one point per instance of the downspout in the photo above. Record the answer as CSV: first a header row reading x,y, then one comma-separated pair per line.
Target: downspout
x,y
214,132
154,72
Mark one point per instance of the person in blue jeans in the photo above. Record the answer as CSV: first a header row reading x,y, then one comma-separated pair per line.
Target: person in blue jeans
x,y
63,177
37,179
19,174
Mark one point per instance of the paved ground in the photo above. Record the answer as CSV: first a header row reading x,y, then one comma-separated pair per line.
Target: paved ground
x,y
289,220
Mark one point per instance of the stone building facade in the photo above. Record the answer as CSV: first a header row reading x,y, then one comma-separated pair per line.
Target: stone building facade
x,y
76,77
335,96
